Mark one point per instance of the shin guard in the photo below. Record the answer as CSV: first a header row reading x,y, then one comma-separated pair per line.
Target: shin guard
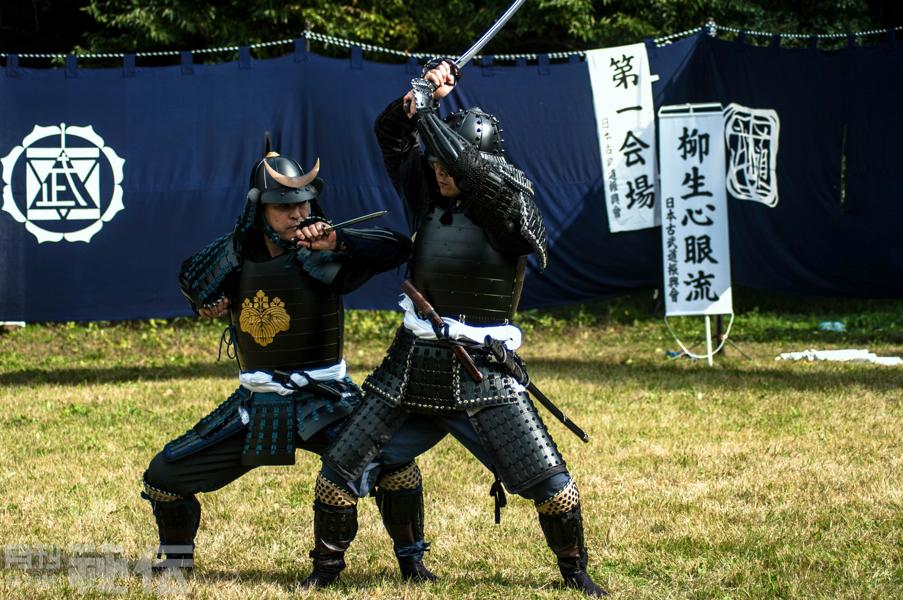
x,y
399,496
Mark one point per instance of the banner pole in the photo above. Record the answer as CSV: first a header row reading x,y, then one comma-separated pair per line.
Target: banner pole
x,y
708,340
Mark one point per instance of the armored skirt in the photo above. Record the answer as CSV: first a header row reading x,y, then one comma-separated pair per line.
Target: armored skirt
x,y
250,430
419,393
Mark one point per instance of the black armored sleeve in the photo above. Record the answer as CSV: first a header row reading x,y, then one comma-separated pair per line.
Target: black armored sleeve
x,y
499,196
397,138
366,253
205,277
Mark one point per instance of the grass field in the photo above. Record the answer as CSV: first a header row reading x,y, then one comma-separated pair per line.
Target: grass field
x,y
752,479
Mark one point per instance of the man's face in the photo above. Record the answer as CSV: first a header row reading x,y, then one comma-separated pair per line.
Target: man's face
x,y
447,185
284,218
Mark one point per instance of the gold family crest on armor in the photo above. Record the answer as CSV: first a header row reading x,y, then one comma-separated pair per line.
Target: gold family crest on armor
x,y
263,319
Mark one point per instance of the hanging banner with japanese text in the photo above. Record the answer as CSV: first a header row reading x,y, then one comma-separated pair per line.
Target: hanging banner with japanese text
x,y
697,262
625,121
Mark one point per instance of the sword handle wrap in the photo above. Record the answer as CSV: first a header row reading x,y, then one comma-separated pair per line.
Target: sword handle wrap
x,y
438,60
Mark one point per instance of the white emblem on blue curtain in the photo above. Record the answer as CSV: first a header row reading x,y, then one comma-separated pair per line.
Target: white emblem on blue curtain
x,y
751,136
67,185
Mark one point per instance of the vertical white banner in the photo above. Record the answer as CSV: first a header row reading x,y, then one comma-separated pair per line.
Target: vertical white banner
x,y
697,260
625,122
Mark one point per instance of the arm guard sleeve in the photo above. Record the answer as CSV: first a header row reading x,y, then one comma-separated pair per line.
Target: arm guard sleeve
x,y
396,135
368,252
203,277
501,200
501,196
397,138
440,140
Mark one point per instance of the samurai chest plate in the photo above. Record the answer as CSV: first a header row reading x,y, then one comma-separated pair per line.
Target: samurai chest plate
x,y
283,319
461,274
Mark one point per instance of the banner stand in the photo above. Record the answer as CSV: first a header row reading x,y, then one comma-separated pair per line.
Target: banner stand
x,y
710,351
719,334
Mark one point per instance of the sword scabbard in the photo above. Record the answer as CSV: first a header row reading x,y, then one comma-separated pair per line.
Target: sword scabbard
x,y
430,313
556,412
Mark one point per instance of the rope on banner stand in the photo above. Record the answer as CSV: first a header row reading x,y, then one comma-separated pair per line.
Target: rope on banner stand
x,y
687,352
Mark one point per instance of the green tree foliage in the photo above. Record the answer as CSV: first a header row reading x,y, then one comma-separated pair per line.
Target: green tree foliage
x,y
448,26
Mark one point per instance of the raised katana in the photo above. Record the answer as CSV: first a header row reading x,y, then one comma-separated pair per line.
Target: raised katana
x,y
458,63
490,33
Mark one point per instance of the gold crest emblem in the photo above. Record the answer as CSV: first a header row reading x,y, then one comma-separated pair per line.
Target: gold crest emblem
x,y
263,319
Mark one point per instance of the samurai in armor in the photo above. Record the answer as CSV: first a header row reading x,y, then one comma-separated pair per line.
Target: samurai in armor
x,y
280,276
476,222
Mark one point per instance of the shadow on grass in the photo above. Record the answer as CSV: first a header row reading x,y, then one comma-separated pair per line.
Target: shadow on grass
x,y
814,337
354,580
737,374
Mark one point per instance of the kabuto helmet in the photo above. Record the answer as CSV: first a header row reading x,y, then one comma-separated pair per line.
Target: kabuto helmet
x,y
281,180
276,179
480,129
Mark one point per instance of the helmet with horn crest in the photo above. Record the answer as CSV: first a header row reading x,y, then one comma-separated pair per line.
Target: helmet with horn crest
x,y
281,180
276,179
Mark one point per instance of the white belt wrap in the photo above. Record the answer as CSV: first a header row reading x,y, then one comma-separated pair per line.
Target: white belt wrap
x,y
423,329
262,381
511,335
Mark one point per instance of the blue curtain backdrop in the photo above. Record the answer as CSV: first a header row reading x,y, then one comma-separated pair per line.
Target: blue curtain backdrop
x,y
189,135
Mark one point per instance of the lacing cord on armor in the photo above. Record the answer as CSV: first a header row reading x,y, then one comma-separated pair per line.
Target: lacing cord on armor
x,y
498,494
228,339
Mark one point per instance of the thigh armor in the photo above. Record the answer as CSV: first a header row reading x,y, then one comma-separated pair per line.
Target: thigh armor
x,y
365,432
522,450
275,425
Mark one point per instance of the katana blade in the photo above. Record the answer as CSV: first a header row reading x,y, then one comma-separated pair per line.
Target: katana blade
x,y
490,33
355,220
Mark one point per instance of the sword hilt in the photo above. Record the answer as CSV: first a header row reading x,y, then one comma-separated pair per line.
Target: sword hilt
x,y
438,60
